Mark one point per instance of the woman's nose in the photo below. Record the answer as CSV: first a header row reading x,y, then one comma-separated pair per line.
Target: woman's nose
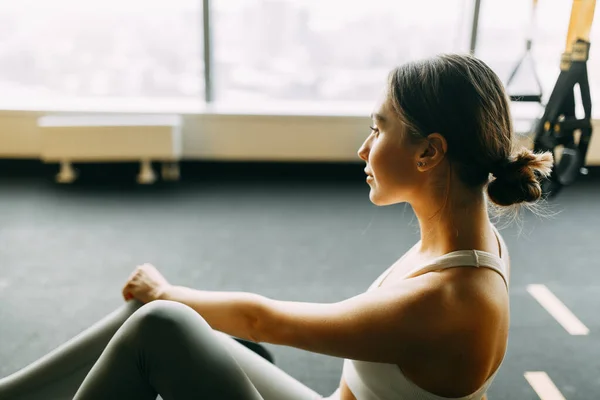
x,y
363,151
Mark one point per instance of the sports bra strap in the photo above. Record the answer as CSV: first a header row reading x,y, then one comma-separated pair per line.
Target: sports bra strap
x,y
464,258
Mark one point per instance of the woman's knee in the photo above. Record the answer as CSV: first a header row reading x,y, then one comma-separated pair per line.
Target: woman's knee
x,y
168,330
164,317
168,333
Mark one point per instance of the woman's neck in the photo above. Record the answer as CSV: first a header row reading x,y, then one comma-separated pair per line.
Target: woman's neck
x,y
457,224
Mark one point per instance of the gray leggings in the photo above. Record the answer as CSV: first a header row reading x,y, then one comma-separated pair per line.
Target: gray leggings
x,y
139,352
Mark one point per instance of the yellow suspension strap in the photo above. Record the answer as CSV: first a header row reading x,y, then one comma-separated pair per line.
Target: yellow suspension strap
x,y
559,130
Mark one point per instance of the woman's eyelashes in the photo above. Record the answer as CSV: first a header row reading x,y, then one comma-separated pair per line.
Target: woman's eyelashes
x,y
374,130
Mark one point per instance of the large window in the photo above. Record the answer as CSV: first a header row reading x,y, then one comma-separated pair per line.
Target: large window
x,y
108,48
503,28
326,50
313,54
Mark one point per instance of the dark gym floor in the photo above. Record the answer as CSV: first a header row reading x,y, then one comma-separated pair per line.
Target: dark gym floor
x,y
291,232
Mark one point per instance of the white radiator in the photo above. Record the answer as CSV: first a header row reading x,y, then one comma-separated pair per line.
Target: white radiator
x,y
112,138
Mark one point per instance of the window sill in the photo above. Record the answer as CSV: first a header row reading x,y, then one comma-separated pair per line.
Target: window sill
x,y
192,106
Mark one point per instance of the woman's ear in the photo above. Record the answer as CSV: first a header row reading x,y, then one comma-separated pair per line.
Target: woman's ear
x,y
433,152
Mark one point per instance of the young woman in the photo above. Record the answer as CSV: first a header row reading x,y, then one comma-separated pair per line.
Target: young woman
x,y
433,326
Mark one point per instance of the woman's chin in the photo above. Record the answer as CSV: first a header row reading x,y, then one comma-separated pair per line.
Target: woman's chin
x,y
374,198
379,200
377,197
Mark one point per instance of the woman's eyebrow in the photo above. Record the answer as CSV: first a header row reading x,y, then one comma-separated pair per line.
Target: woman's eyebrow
x,y
378,117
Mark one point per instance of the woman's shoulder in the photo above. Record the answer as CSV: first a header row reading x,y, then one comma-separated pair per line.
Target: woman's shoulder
x,y
469,345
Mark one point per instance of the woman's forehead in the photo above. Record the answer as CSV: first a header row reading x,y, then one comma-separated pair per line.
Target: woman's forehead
x,y
382,110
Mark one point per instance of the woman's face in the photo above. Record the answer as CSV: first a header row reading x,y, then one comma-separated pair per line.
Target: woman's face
x,y
391,158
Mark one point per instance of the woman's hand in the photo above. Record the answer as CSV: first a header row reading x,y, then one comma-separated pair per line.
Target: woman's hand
x,y
145,284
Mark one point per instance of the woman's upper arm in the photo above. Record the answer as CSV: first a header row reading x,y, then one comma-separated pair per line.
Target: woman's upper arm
x,y
375,326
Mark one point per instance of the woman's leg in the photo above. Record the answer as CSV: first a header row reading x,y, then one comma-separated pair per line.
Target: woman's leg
x,y
271,382
58,374
166,348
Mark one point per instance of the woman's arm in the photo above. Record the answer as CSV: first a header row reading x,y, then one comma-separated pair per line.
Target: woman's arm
x,y
372,326
375,326
390,325
234,313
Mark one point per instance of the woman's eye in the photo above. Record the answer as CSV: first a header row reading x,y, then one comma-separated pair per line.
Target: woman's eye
x,y
374,130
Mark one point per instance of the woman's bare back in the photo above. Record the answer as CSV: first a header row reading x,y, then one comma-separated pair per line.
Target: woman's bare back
x,y
430,370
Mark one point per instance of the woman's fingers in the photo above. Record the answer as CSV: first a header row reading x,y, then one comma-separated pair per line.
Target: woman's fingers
x,y
145,284
126,292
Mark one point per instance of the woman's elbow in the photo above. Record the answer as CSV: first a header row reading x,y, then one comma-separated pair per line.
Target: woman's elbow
x,y
266,326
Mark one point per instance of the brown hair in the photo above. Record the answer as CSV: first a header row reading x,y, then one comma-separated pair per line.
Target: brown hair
x,y
461,98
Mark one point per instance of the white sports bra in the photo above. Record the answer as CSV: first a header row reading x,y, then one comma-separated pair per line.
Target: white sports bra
x,y
381,381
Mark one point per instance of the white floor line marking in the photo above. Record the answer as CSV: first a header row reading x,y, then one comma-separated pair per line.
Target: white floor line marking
x,y
558,310
543,386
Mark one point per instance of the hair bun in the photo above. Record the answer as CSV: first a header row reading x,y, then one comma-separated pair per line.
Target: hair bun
x,y
517,179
